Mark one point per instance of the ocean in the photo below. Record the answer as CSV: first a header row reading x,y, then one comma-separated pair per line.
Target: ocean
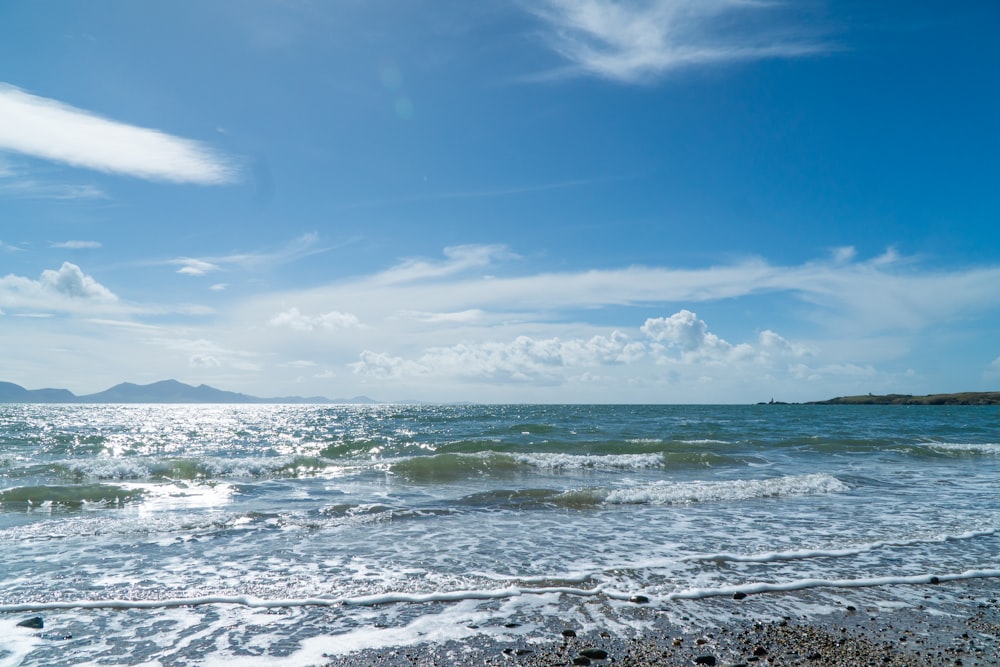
x,y
295,534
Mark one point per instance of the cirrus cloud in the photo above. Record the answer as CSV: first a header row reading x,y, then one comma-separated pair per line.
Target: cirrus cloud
x,y
634,40
51,130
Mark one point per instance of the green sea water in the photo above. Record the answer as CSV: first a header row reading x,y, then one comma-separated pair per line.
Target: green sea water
x,y
275,534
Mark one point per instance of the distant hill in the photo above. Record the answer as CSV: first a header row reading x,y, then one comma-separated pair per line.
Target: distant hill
x,y
964,398
15,393
164,391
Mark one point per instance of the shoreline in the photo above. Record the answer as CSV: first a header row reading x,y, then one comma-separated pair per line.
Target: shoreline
x,y
960,628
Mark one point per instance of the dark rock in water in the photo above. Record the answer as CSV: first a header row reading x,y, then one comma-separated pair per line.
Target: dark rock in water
x,y
569,633
935,580
35,622
706,660
739,595
760,651
639,599
594,653
581,660
511,625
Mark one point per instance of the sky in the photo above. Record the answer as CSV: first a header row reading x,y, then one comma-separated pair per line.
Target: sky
x,y
608,201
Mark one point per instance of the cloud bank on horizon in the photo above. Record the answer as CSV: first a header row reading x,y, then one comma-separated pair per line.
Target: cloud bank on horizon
x,y
584,201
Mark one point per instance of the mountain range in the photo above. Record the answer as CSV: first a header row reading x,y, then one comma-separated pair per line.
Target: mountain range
x,y
165,391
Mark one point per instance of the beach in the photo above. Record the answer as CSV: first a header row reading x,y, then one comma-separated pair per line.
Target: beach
x,y
960,628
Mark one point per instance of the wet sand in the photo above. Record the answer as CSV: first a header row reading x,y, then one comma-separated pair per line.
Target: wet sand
x,y
961,628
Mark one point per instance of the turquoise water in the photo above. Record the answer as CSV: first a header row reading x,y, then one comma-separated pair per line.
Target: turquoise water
x,y
155,534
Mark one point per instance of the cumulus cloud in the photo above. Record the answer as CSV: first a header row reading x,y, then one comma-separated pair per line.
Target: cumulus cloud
x,y
67,288
682,329
330,321
635,40
552,359
51,130
71,281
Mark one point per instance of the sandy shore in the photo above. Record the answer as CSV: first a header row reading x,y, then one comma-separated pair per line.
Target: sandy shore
x,y
962,628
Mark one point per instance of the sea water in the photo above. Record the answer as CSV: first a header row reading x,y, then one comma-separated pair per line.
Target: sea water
x,y
291,534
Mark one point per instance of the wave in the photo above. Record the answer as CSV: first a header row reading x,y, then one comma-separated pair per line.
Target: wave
x,y
803,584
451,467
496,594
178,468
658,493
68,496
682,493
959,449
806,554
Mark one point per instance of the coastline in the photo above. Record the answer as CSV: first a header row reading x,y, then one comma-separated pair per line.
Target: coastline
x,y
960,627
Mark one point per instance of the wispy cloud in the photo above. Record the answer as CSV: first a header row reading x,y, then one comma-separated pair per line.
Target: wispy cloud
x,y
303,246
636,40
293,319
28,188
885,294
76,245
194,267
51,130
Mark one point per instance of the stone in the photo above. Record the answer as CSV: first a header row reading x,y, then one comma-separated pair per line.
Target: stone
x,y
706,660
594,653
739,595
639,599
35,623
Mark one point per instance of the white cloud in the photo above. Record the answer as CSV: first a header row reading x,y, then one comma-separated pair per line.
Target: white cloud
x,y
65,289
194,267
471,315
71,281
204,353
27,188
330,321
303,246
51,130
458,260
682,329
203,361
844,254
634,40
76,245
553,360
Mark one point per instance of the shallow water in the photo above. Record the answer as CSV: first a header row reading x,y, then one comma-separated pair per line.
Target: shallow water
x,y
148,534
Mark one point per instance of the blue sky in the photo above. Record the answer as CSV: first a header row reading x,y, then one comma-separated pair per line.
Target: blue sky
x,y
558,200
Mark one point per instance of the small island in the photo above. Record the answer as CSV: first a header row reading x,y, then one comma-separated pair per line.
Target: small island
x,y
963,398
